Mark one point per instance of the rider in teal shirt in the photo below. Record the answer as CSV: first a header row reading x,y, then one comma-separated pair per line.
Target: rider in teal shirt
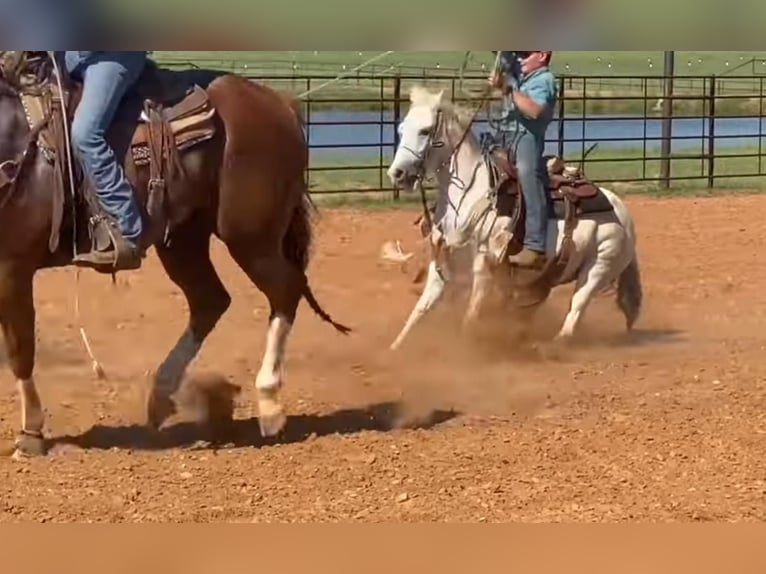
x,y
530,100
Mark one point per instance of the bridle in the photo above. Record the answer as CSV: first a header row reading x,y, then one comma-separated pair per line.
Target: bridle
x,y
432,143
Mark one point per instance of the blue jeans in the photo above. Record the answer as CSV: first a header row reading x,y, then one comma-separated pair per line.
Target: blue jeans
x,y
533,177
107,76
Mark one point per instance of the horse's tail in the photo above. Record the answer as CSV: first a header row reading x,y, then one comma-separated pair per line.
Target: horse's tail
x,y
297,107
297,242
297,249
630,293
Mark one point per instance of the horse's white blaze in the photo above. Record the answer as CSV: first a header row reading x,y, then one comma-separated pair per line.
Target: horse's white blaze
x,y
605,243
173,368
32,417
270,376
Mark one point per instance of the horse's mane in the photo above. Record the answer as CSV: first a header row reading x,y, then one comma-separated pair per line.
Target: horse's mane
x,y
6,89
23,71
420,95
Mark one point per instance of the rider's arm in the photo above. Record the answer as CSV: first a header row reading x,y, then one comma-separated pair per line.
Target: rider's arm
x,y
536,97
527,105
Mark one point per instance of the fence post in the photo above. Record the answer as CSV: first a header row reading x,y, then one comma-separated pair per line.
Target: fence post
x,y
711,133
307,123
667,119
397,119
562,123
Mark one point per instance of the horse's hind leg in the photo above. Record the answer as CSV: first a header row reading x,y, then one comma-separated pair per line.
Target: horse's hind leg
x,y
283,284
593,277
17,316
187,263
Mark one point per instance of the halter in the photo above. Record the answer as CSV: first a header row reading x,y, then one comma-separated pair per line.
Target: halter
x,y
433,143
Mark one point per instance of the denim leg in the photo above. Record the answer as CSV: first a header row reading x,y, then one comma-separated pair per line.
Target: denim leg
x,y
534,185
106,80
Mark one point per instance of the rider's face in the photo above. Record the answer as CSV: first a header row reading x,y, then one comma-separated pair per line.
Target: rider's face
x,y
531,61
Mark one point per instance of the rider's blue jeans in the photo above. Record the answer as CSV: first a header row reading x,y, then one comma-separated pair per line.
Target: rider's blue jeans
x,y
107,76
533,176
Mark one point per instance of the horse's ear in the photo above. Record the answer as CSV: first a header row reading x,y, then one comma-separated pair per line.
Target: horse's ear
x,y
418,94
421,95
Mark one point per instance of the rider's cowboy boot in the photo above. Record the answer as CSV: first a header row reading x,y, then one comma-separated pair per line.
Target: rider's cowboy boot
x,y
121,255
529,259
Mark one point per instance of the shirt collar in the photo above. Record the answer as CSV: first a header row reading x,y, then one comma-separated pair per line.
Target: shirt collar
x,y
535,73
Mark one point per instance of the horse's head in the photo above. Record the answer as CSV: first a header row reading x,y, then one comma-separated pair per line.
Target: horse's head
x,y
427,136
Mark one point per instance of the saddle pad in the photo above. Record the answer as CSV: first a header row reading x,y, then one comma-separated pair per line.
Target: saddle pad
x,y
597,204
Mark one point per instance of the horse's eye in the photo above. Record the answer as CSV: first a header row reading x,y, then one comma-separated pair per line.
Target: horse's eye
x,y
425,132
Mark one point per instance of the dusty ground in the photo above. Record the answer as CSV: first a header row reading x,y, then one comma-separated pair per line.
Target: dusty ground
x,y
669,425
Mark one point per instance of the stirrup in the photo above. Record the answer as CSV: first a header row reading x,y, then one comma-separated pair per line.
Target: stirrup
x,y
109,261
119,257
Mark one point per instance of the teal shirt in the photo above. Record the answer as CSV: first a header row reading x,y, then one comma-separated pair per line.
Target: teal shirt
x,y
540,85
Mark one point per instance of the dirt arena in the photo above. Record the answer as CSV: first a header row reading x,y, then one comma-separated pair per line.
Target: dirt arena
x,y
666,425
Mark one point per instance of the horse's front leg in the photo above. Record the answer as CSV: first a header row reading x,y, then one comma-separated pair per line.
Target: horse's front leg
x,y
436,283
17,317
482,282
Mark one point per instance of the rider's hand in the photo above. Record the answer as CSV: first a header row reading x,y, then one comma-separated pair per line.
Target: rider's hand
x,y
506,86
496,80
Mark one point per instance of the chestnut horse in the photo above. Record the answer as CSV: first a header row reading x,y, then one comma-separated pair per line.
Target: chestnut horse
x,y
245,185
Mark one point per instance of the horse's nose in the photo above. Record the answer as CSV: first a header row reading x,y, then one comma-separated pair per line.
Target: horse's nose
x,y
396,174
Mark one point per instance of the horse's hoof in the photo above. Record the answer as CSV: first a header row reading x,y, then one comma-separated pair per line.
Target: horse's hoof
x,y
553,350
563,340
271,417
29,445
470,326
159,409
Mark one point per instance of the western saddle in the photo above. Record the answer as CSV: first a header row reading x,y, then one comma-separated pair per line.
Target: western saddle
x,y
572,195
176,115
564,182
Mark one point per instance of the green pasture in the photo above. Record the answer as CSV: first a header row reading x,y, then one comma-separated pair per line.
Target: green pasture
x,y
619,89
626,86
731,171
630,63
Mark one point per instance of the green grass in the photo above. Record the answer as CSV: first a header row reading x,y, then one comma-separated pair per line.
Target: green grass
x,y
734,97
731,172
570,62
365,90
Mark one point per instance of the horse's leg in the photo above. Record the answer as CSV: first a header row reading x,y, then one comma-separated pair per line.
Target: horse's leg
x,y
283,283
187,263
433,291
592,278
17,315
482,282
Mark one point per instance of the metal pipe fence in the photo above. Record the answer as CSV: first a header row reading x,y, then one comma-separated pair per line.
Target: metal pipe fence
x,y
710,133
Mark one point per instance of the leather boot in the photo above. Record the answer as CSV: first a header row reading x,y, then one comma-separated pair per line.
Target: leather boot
x,y
528,259
121,255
